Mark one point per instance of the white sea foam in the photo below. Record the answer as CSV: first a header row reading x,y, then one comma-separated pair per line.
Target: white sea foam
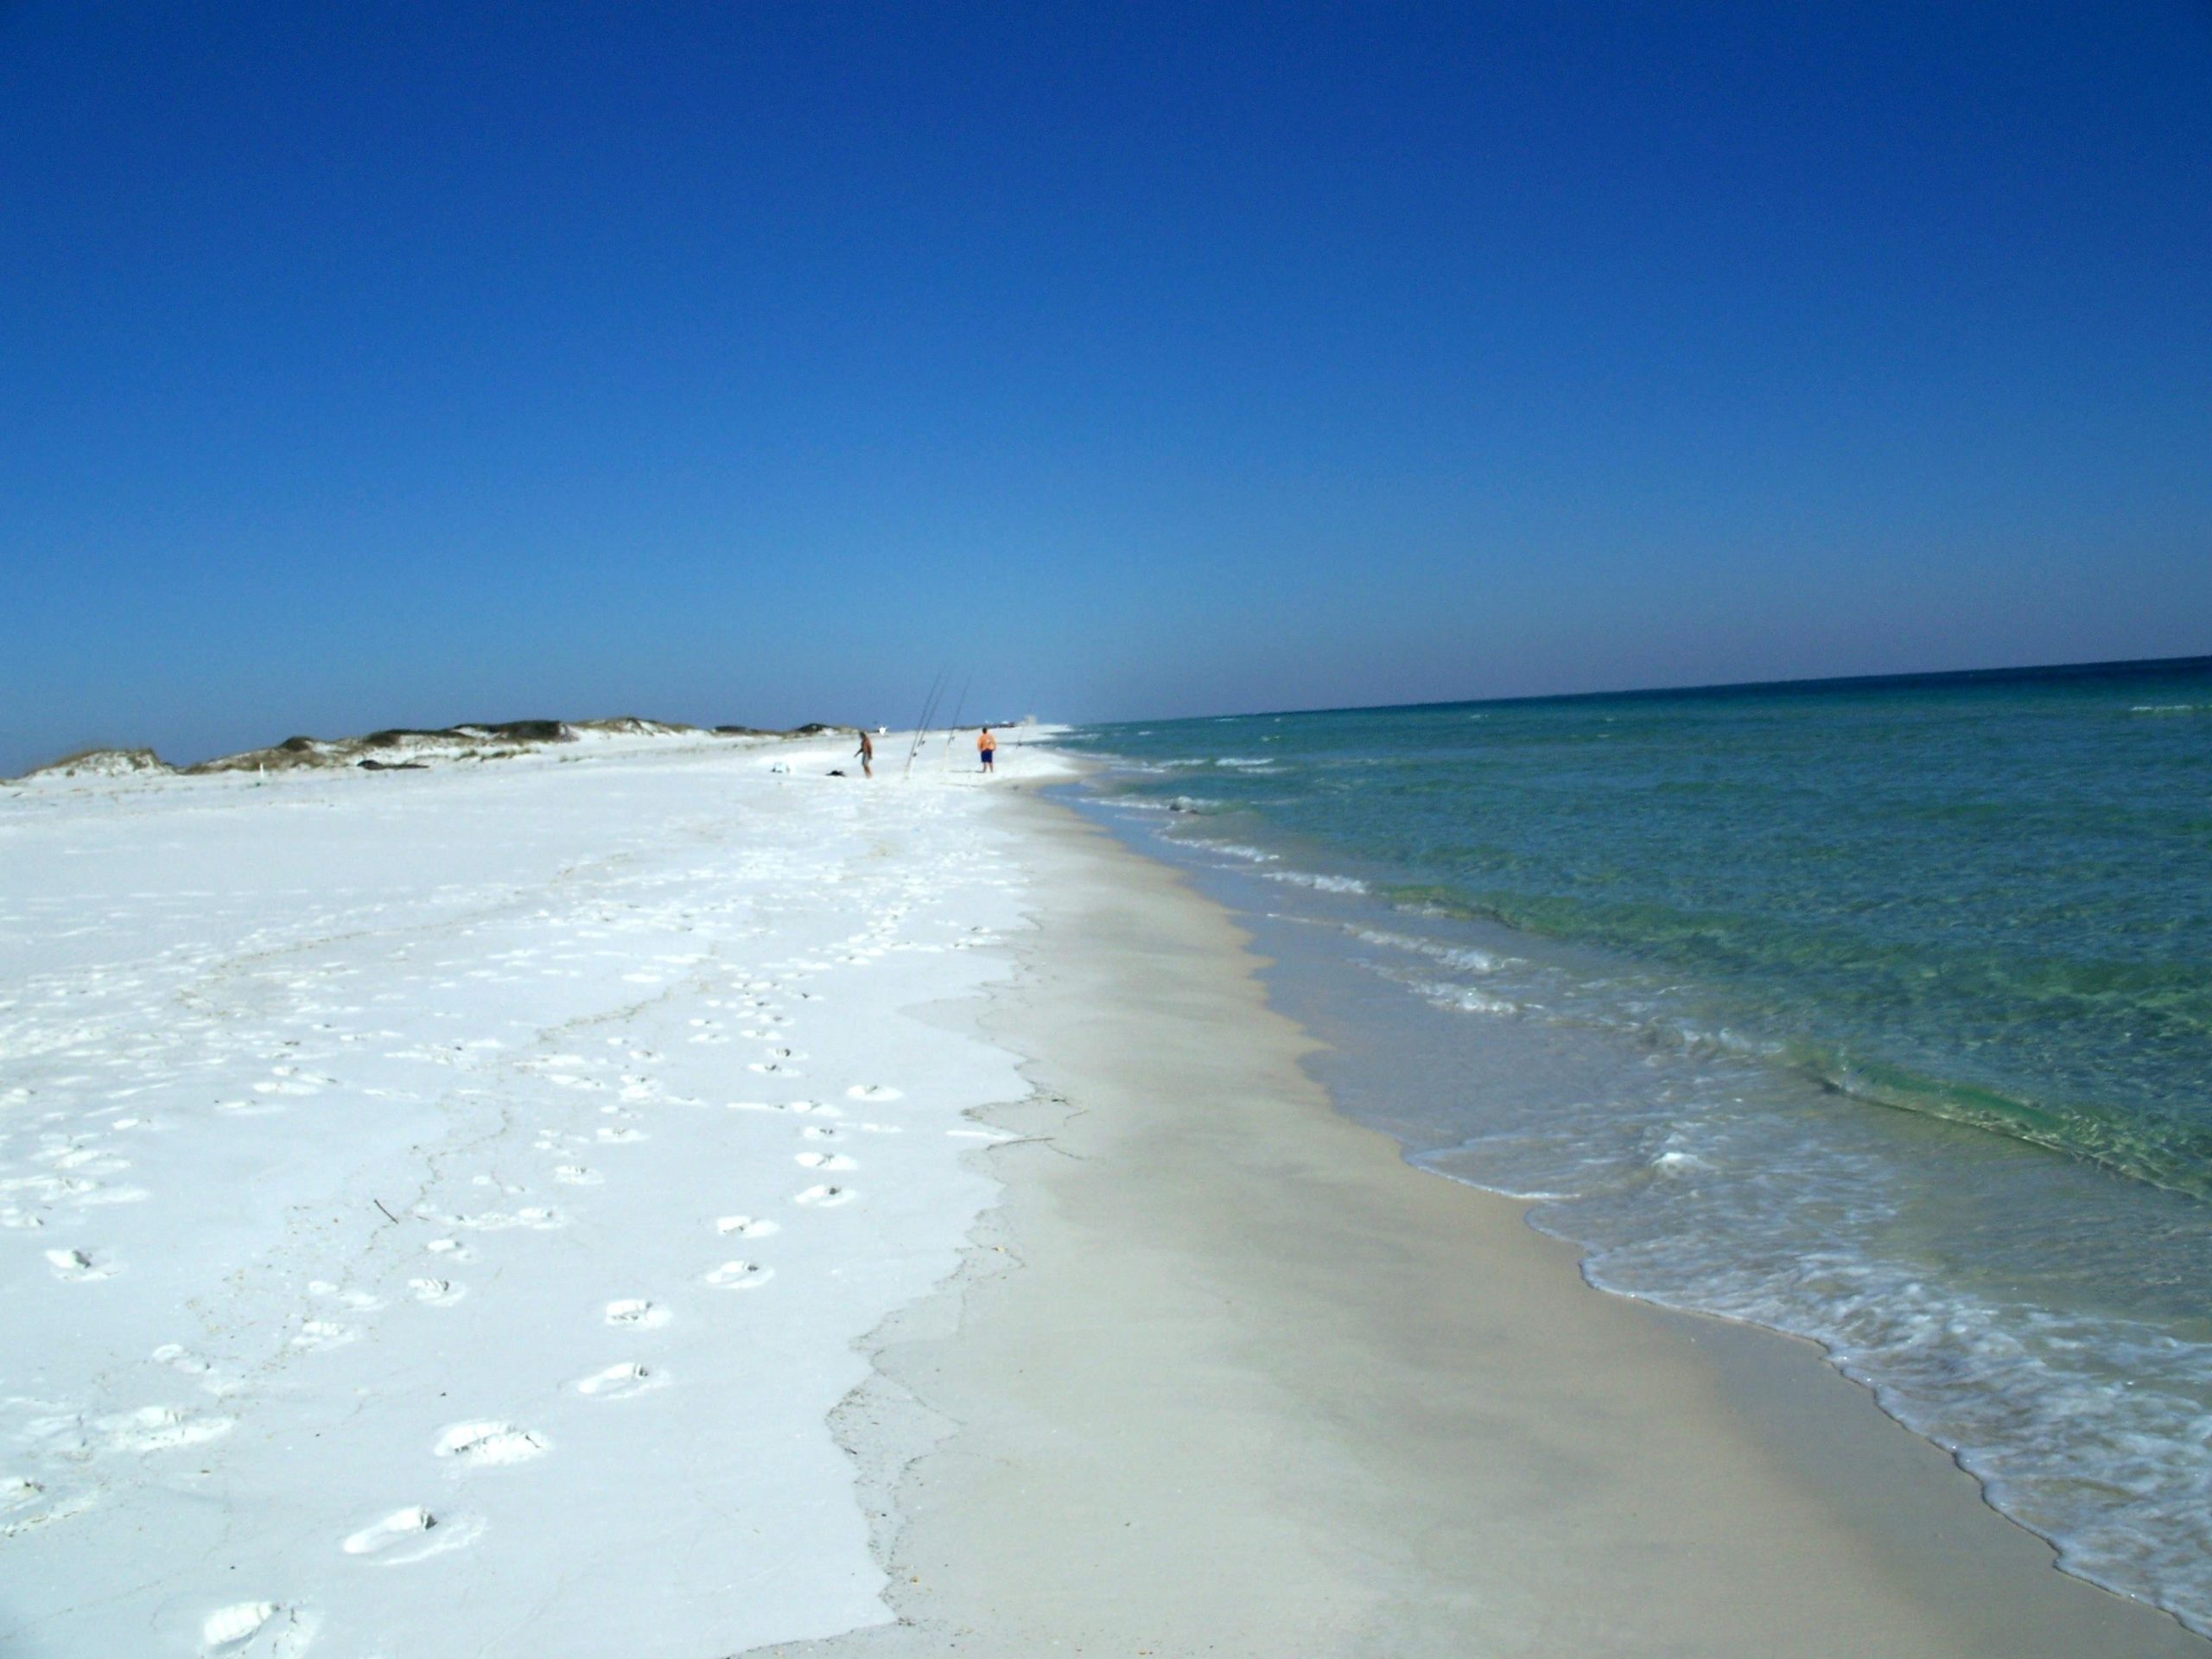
x,y
2039,1406
1464,957
1444,993
1233,850
1695,1187
1173,803
1317,883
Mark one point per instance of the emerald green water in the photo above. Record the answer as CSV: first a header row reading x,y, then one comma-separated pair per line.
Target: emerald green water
x,y
1989,899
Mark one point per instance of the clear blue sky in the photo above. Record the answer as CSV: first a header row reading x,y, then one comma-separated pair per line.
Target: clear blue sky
x,y
375,364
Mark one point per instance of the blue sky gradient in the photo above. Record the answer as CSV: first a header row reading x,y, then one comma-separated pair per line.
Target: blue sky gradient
x,y
405,363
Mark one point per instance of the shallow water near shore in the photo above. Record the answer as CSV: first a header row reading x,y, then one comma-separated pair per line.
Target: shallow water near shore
x,y
1876,1013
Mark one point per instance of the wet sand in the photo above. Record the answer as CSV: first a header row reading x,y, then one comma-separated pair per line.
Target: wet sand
x,y
1224,1375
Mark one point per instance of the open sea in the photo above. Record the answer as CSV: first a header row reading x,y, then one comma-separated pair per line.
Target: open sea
x,y
1875,1011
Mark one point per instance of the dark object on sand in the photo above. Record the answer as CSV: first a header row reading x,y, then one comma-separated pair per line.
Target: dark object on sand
x,y
391,765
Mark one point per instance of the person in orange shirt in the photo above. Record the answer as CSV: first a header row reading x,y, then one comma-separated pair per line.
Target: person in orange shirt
x,y
987,747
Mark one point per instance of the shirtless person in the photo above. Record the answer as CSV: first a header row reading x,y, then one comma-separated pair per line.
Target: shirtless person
x,y
867,752
987,747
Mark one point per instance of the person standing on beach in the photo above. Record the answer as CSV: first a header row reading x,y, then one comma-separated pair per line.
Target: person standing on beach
x,y
867,752
987,747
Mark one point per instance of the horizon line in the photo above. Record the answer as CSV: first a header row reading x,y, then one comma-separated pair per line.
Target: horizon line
x,y
2112,667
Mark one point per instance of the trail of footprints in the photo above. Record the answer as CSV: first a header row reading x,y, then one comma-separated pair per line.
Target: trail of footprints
x,y
419,1533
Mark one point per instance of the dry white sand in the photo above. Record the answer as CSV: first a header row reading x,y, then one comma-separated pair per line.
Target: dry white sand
x,y
438,1210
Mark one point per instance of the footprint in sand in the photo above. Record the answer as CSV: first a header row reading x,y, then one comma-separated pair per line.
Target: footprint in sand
x,y
479,1445
746,1226
182,1360
824,1160
257,1630
774,1069
408,1535
324,1333
620,1381
91,1160
452,1248
738,1275
436,1293
290,1080
158,1428
819,1132
360,1301
533,1218
637,1311
578,1175
825,1198
875,1092
622,1135
80,1266
251,1108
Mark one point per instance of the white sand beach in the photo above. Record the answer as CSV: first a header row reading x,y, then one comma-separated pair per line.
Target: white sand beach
x,y
630,1199
440,1208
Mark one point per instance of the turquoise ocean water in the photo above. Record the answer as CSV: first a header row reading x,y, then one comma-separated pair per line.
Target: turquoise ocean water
x,y
1875,1011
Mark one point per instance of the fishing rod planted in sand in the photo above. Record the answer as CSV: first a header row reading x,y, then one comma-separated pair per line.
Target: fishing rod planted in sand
x,y
922,726
953,730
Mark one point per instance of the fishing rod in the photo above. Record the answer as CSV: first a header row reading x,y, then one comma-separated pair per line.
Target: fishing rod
x,y
951,731
922,726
